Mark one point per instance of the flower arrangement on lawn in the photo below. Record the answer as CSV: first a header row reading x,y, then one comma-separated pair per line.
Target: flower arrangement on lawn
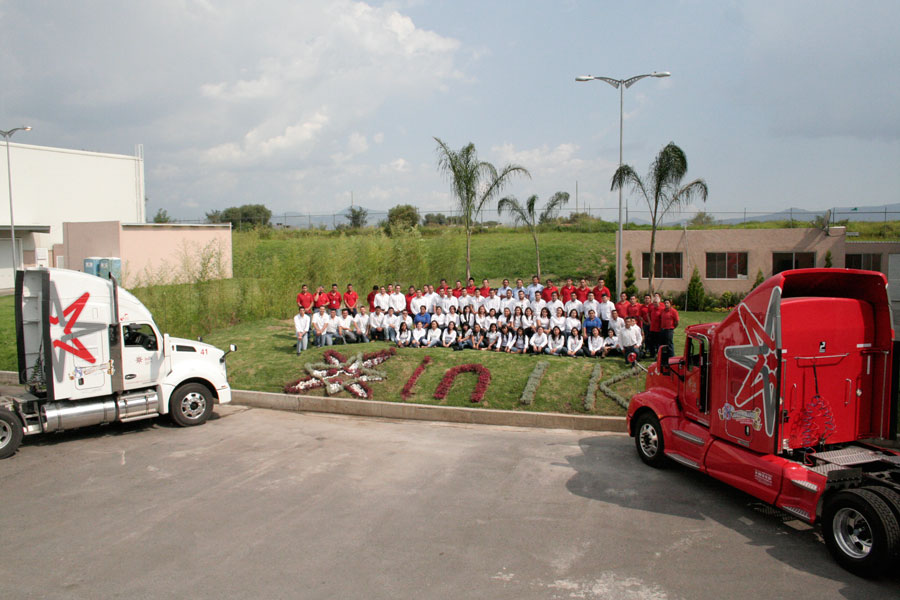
x,y
406,392
591,394
337,373
484,380
534,380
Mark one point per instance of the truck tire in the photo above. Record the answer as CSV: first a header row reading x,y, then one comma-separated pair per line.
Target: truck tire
x,y
648,439
860,531
191,404
891,498
10,433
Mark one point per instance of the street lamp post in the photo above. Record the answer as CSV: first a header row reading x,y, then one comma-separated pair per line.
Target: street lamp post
x,y
12,225
620,84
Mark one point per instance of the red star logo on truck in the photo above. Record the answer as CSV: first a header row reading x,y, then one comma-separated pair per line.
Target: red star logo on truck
x,y
760,358
69,340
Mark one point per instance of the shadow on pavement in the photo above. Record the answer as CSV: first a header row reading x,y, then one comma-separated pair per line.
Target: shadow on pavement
x,y
609,470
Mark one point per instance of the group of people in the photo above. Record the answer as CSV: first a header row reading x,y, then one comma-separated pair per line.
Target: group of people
x,y
539,318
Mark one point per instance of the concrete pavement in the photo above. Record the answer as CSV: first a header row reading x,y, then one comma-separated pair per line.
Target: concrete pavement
x,y
267,504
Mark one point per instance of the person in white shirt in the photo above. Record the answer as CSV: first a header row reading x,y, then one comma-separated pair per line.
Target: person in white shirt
x,y
345,327
418,302
555,303
573,322
508,301
590,305
434,299
606,308
538,341
616,323
377,325
543,320
419,335
610,344
505,319
575,305
405,318
361,324
382,299
453,317
404,336
518,344
449,301
538,305
301,327
631,338
466,300
522,301
534,290
398,300
448,338
492,338
331,329
491,302
557,342
320,327
506,333
558,319
594,343
574,345
434,335
503,289
528,322
391,324
439,317
481,319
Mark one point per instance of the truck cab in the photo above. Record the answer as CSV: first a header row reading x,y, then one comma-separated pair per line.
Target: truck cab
x,y
782,399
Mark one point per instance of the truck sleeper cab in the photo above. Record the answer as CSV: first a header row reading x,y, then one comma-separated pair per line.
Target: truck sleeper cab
x,y
779,399
90,353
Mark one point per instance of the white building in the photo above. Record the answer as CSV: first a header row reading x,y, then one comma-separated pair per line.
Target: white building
x,y
55,185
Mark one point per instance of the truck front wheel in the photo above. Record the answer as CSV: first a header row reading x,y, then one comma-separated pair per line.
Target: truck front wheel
x,y
648,438
860,531
10,433
191,404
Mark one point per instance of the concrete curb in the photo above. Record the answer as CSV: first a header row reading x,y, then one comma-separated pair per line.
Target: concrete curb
x,y
425,412
400,410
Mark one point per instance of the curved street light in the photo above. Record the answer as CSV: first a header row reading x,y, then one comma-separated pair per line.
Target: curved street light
x,y
12,226
621,85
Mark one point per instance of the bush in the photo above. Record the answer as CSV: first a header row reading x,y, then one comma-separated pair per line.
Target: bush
x,y
696,295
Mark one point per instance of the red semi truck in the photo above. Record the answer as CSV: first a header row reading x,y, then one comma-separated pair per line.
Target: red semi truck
x,y
783,400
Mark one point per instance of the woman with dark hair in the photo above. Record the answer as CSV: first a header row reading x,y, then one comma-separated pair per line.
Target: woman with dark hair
x,y
528,323
404,336
477,337
574,346
519,343
492,338
464,340
594,343
448,339
557,342
543,320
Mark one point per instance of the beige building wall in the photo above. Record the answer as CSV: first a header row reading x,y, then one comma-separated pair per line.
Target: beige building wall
x,y
759,244
152,253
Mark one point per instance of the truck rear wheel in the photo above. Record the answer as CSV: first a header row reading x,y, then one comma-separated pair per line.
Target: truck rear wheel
x,y
191,404
10,433
648,439
860,531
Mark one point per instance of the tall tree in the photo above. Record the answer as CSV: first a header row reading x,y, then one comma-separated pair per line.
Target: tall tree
x,y
528,216
661,189
357,216
473,182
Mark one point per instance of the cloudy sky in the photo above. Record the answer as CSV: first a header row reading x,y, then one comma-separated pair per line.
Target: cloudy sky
x,y
297,104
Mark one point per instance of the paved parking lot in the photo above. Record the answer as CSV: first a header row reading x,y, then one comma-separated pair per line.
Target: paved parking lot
x,y
265,504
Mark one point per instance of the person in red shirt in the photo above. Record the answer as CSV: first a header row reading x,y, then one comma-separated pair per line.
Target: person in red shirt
x,y
320,298
443,287
409,296
656,307
370,298
485,289
334,298
304,298
622,305
567,290
601,289
350,299
471,287
634,310
582,291
457,291
668,321
549,290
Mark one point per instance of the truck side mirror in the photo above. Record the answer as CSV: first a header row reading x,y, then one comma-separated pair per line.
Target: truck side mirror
x,y
231,348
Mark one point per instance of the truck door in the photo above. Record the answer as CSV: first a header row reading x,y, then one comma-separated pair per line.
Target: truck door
x,y
141,355
695,390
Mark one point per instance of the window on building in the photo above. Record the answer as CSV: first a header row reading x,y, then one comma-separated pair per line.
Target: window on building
x,y
726,265
666,266
870,262
782,261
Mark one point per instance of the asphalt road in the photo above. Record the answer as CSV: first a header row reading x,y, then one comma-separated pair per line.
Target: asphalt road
x,y
264,504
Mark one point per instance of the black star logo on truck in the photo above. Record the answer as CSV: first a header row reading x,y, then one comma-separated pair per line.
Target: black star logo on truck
x,y
760,358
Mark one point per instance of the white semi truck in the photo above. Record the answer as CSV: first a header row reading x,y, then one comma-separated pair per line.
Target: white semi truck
x,y
90,353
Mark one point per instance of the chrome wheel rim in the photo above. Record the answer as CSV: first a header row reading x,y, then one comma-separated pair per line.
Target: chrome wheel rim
x,y
852,533
649,440
6,434
193,405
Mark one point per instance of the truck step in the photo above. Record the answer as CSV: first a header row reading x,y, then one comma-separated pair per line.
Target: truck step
x,y
851,456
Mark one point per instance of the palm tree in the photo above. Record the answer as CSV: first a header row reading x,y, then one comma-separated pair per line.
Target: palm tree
x,y
473,182
662,189
527,216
